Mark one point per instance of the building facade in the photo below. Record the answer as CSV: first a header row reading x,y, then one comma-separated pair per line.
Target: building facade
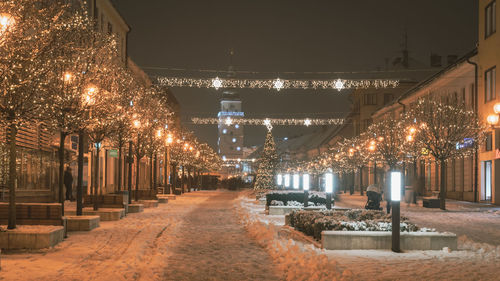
x,y
487,89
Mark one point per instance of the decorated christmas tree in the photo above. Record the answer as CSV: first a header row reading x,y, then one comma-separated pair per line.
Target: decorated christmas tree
x,y
267,165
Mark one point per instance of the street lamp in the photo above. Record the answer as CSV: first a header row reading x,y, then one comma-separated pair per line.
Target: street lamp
x,y
287,180
305,186
329,189
296,181
395,202
168,141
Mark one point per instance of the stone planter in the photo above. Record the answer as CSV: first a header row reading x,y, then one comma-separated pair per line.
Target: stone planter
x,y
282,210
104,213
162,200
168,196
31,238
356,240
82,223
135,208
148,203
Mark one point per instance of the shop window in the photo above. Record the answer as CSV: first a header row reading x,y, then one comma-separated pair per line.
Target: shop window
x,y
490,84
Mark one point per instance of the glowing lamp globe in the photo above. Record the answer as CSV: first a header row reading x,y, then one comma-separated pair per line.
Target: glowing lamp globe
x,y
496,108
492,119
216,83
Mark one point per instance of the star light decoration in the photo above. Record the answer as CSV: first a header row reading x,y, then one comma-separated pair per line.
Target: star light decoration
x,y
277,84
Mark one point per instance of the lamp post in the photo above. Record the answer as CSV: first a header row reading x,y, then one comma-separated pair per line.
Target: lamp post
x,y
329,189
395,198
305,186
168,142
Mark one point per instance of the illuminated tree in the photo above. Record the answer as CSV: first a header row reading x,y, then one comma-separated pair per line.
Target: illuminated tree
x,y
446,132
267,165
27,32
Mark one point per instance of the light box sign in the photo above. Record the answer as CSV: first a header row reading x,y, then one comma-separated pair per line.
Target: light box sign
x,y
296,181
396,186
287,180
329,183
305,181
466,143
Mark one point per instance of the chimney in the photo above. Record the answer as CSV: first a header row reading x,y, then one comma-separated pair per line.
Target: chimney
x,y
435,60
451,59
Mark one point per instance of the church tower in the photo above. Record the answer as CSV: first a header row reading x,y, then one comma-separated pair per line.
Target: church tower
x,y
230,140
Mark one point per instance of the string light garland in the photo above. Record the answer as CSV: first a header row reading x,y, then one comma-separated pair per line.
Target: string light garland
x,y
268,122
277,84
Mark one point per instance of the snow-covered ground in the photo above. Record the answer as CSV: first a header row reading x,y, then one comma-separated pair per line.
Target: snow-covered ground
x,y
196,237
474,260
223,235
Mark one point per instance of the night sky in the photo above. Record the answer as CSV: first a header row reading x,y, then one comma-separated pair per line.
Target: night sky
x,y
274,37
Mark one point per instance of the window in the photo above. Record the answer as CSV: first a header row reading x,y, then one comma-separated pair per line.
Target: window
x,y
110,28
370,99
490,15
489,84
462,101
488,143
388,98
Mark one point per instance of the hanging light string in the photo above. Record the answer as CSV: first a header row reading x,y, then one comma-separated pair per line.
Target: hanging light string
x,y
268,122
277,84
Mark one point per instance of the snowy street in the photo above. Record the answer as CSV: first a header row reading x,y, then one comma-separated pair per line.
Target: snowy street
x,y
196,237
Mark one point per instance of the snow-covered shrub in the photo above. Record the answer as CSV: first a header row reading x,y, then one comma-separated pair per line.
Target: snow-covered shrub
x,y
277,203
315,198
313,223
294,204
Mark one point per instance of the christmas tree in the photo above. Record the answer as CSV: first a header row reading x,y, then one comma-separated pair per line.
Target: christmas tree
x,y
267,165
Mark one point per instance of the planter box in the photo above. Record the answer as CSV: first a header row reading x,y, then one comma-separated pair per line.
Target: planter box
x,y
135,208
104,214
162,200
148,203
43,237
82,223
168,196
282,210
355,240
262,201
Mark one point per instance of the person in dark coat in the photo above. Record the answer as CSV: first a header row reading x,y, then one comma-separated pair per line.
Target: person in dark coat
x,y
68,182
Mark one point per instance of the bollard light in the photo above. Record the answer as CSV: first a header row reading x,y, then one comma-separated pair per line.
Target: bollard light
x,y
396,186
305,181
287,180
329,183
296,181
279,180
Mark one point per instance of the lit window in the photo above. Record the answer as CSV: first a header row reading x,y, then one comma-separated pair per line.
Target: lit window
x,y
238,148
224,131
234,139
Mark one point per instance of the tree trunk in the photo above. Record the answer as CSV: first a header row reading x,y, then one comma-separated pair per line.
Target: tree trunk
x,y
129,183
361,180
182,180
151,172
351,186
137,167
155,175
62,137
96,176
442,188
119,186
79,183
174,178
12,175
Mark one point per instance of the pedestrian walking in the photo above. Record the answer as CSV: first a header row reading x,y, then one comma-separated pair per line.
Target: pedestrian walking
x,y
68,182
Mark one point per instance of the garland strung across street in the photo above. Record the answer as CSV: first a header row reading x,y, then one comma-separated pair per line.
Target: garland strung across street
x,y
268,121
277,84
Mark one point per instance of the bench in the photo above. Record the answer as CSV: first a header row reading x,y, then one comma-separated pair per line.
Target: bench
x,y
33,213
431,202
107,201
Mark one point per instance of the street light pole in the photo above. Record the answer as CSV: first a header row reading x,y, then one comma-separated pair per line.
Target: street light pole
x,y
396,179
